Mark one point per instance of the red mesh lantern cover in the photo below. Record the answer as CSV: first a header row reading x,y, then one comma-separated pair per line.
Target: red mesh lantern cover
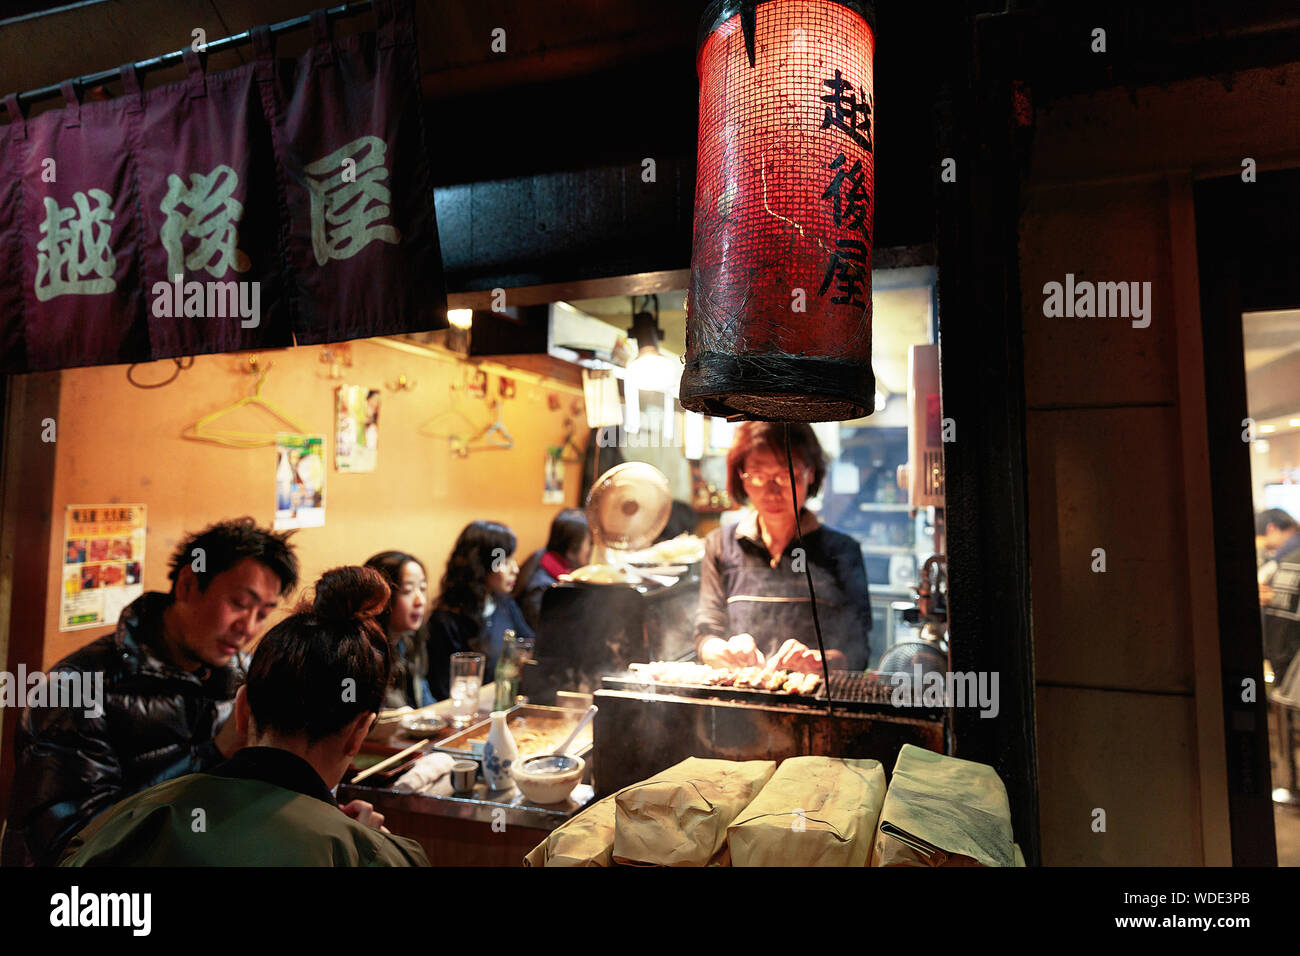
x,y
779,309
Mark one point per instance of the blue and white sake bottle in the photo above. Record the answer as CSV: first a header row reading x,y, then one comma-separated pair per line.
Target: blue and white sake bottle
x,y
499,754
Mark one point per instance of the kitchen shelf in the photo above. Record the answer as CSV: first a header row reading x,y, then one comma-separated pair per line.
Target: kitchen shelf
x,y
886,548
882,506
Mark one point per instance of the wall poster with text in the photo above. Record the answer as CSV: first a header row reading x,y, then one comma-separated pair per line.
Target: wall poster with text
x,y
103,564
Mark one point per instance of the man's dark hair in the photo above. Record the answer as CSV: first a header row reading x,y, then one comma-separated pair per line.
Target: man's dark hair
x,y
226,543
1275,517
805,449
298,681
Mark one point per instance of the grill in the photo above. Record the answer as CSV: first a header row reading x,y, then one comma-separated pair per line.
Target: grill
x,y
850,691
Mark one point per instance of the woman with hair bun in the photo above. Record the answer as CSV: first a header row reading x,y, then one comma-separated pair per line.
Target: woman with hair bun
x,y
314,689
474,608
402,619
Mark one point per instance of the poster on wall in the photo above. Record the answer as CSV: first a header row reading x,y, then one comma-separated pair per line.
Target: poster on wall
x,y
299,481
103,564
553,486
356,436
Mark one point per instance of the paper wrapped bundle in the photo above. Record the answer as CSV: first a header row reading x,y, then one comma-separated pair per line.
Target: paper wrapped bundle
x,y
815,811
944,811
680,817
585,840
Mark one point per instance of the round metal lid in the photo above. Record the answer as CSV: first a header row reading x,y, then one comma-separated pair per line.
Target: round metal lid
x,y
628,506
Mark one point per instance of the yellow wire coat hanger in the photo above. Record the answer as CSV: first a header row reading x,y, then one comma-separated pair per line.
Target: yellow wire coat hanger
x,y
236,438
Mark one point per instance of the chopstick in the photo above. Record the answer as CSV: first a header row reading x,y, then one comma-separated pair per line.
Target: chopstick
x,y
389,761
398,713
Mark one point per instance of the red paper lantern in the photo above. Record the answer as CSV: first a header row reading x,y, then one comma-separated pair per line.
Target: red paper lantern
x,y
779,309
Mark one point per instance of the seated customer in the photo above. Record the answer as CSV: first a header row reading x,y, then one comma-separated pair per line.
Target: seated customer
x,y
169,675
567,548
313,691
402,621
474,609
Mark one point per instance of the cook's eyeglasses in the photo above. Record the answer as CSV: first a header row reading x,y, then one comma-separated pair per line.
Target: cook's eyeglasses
x,y
759,481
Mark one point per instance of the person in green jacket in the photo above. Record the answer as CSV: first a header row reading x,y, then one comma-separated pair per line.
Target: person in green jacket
x,y
314,688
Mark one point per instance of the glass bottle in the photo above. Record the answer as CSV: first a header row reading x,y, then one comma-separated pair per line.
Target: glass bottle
x,y
506,676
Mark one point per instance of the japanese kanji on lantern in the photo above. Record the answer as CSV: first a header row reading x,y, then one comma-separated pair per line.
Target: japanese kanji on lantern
x,y
779,308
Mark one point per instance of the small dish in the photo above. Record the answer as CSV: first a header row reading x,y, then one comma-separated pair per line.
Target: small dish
x,y
549,778
422,725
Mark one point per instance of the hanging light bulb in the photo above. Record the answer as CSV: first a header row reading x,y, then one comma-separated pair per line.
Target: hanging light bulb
x,y
459,322
651,369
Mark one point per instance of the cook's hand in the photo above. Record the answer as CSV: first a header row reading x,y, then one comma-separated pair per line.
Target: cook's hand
x,y
745,651
740,651
1265,595
365,814
229,739
795,656
787,656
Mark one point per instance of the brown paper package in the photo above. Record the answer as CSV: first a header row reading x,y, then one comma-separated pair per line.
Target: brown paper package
x,y
815,811
944,811
680,817
585,840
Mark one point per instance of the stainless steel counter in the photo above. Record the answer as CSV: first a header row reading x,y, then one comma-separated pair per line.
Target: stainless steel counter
x,y
508,807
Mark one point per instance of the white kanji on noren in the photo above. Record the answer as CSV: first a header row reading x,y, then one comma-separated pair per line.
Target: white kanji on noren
x,y
345,209
208,211
75,247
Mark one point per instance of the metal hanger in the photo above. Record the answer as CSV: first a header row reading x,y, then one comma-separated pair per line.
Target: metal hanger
x,y
459,441
495,435
201,430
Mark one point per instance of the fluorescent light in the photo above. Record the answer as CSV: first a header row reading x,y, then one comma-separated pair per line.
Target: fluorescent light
x,y
460,318
1267,429
1294,423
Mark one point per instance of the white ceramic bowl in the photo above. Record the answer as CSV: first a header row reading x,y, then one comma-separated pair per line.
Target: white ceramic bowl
x,y
553,787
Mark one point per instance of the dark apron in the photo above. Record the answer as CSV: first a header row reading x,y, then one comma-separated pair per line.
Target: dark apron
x,y
772,605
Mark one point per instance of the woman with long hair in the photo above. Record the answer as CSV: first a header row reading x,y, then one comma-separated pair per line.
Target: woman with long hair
x,y
474,608
402,620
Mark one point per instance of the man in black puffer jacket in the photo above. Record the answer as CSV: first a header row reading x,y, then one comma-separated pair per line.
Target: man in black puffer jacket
x,y
170,673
